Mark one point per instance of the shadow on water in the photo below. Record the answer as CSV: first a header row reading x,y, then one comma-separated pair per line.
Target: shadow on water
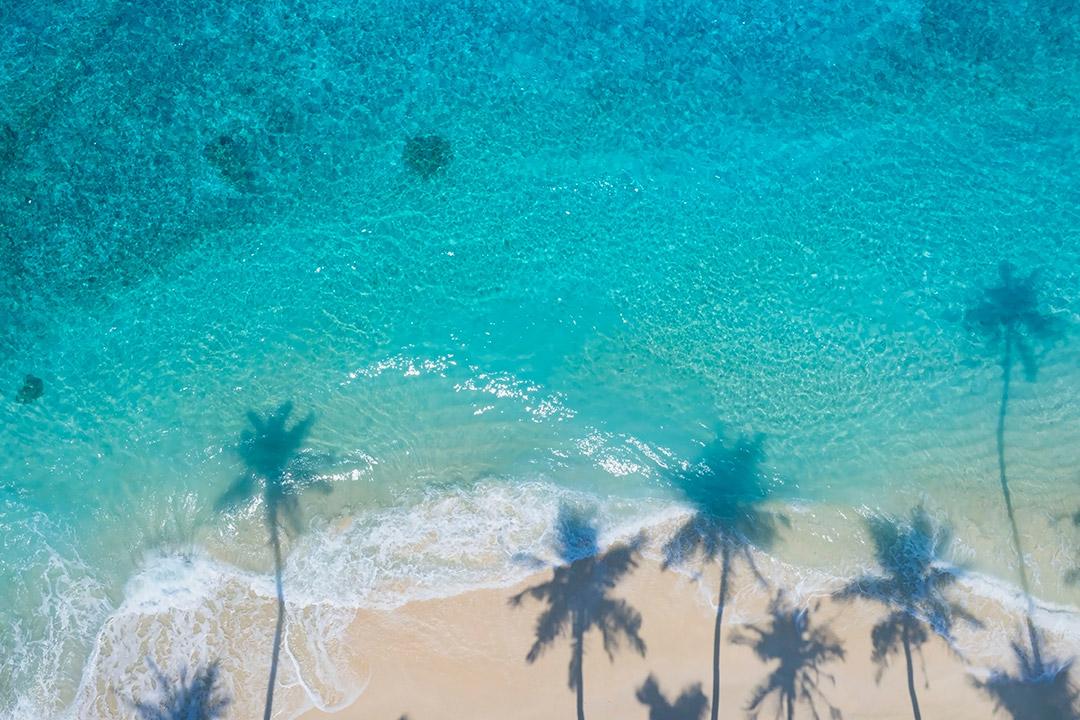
x,y
912,585
799,651
272,457
197,697
690,705
725,487
1011,319
578,597
1040,689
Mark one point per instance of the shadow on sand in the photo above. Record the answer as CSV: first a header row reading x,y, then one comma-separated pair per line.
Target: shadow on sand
x,y
725,488
799,651
273,459
1040,689
197,697
912,585
690,705
578,597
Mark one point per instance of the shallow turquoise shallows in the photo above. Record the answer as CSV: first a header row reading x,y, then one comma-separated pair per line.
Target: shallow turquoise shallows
x,y
644,226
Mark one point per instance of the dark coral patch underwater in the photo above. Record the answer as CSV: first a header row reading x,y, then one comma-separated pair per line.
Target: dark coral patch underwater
x,y
427,155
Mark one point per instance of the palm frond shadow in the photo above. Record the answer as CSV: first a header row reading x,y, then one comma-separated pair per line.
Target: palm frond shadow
x,y
1039,689
1010,318
725,487
277,468
912,585
273,458
578,597
194,697
689,705
799,650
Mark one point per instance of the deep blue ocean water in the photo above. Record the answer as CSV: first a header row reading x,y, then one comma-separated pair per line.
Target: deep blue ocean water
x,y
660,221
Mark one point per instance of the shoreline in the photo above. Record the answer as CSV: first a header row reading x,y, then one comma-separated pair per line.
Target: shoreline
x,y
465,656
361,660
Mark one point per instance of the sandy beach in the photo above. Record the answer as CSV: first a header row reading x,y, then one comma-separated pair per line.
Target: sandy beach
x,y
347,349
465,656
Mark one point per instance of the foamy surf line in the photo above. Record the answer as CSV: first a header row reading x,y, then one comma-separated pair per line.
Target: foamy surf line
x,y
190,609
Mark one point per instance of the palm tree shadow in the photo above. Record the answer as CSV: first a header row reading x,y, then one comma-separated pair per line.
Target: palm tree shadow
x,y
800,650
273,457
725,487
1012,321
197,697
912,584
1041,689
578,597
689,705
1010,318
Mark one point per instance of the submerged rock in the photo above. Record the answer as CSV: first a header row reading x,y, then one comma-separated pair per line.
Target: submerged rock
x,y
426,155
233,158
32,389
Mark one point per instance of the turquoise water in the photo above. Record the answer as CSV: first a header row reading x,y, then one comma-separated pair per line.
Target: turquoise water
x,y
659,219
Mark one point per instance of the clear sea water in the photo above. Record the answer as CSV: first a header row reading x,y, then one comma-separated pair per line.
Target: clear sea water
x,y
661,219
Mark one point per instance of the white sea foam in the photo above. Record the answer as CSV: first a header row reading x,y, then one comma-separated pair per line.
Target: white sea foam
x,y
44,642
188,609
453,542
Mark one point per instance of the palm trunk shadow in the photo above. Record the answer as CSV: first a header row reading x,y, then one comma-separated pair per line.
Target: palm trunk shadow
x,y
275,541
725,574
910,672
274,458
913,583
726,488
579,669
1011,313
797,650
1007,367
578,598
1039,689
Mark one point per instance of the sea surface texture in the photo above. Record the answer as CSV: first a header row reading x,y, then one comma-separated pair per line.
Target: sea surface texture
x,y
507,255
